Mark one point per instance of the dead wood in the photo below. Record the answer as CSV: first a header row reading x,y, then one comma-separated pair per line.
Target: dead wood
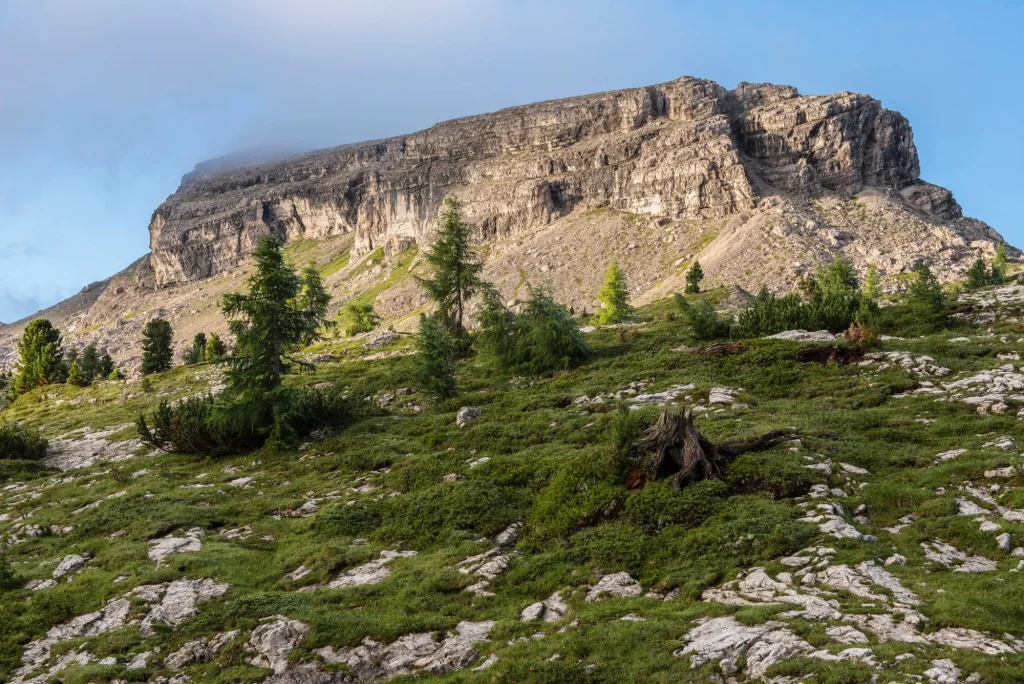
x,y
674,447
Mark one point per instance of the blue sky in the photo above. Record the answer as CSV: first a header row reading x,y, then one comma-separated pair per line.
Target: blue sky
x,y
106,104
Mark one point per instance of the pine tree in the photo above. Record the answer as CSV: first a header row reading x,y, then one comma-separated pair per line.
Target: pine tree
x,y
693,278
977,275
115,374
456,276
614,297
871,285
105,366
89,364
197,352
215,348
544,337
314,299
75,374
41,357
267,322
808,287
71,355
436,356
157,355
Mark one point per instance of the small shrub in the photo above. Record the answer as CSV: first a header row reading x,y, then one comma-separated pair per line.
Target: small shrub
x,y
197,352
544,337
860,335
658,505
832,310
626,428
7,576
18,442
357,520
704,321
779,475
611,548
236,424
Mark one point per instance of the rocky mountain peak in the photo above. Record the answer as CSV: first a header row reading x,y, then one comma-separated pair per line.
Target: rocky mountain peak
x,y
686,149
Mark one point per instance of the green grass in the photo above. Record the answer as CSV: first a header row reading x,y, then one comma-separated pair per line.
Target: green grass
x,y
551,466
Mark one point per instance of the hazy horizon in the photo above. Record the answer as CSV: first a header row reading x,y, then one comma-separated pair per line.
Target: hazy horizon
x,y
107,106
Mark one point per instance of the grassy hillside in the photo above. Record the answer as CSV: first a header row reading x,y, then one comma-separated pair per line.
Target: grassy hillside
x,y
866,453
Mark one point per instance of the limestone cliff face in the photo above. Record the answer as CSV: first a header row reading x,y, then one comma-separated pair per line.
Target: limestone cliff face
x,y
688,149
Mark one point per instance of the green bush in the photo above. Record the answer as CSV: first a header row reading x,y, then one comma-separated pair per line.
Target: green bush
x,y
8,580
18,442
704,321
357,520
431,514
827,310
584,490
747,530
236,424
544,337
611,548
658,505
780,475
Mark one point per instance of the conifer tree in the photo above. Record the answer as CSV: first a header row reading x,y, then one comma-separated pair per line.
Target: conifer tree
x,y
157,338
361,318
75,374
88,365
837,278
456,276
436,356
215,348
70,356
314,299
808,287
614,296
926,293
977,275
41,357
871,286
267,321
694,276
105,366
1000,260
197,352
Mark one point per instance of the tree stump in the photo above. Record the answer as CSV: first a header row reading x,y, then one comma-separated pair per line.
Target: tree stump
x,y
675,448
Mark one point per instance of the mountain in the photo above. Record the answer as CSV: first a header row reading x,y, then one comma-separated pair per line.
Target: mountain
x,y
759,183
797,507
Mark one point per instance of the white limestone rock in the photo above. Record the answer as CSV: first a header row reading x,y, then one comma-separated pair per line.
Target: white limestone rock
x,y
619,584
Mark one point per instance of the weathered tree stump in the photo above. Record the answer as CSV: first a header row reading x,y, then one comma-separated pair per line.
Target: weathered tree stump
x,y
674,447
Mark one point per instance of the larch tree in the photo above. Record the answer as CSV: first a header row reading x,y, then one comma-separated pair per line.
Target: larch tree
x,y
456,269
614,296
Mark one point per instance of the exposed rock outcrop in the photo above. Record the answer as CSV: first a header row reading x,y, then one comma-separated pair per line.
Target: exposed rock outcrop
x,y
687,149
